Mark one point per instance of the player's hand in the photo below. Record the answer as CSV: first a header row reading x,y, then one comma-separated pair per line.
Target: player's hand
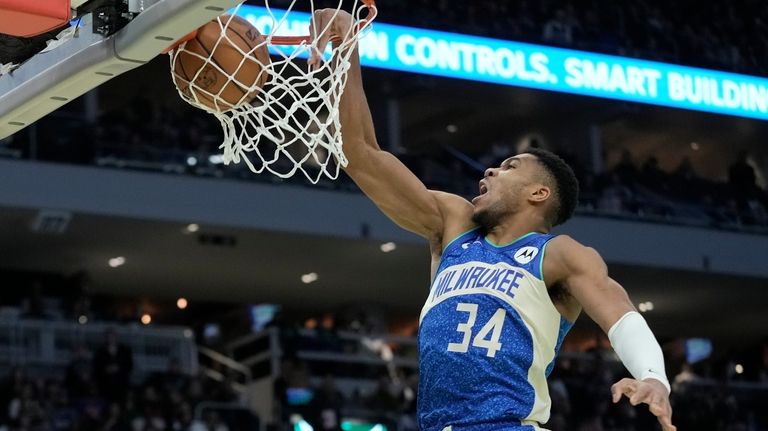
x,y
339,24
648,391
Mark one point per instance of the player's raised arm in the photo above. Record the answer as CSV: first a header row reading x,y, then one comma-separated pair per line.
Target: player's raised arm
x,y
381,176
584,274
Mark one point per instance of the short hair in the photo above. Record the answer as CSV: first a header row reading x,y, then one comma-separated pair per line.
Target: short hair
x,y
566,184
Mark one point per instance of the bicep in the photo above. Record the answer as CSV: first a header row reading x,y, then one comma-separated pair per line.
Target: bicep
x,y
603,299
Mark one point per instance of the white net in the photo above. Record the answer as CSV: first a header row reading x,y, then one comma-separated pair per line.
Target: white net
x,y
277,114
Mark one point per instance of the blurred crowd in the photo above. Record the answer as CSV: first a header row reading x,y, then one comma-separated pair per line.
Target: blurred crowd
x,y
645,190
98,386
707,395
149,135
164,135
581,400
730,35
97,392
356,364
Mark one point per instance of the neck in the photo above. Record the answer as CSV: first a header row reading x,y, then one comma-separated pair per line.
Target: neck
x,y
515,227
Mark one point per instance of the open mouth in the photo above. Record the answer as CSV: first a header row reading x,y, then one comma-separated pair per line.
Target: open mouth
x,y
483,190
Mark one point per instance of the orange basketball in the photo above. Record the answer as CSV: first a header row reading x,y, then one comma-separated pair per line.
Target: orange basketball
x,y
212,85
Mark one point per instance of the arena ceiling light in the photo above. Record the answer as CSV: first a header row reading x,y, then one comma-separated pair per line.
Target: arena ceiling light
x,y
216,159
309,278
116,262
388,247
645,306
192,228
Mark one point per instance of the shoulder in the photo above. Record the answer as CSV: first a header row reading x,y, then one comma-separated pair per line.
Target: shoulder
x,y
566,257
457,218
453,203
564,245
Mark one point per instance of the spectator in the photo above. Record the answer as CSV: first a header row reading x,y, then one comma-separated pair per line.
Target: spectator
x,y
211,422
385,398
685,376
78,378
10,387
182,418
329,401
112,367
615,196
651,174
559,30
625,170
25,410
91,409
173,379
81,303
62,416
35,306
116,420
741,176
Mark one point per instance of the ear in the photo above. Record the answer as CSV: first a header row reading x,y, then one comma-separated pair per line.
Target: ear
x,y
540,193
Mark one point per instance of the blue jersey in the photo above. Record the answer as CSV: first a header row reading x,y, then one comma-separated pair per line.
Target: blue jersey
x,y
488,337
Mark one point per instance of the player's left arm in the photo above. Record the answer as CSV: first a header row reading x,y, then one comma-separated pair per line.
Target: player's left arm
x,y
584,274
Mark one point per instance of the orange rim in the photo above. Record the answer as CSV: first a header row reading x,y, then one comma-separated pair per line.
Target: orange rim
x,y
291,40
298,40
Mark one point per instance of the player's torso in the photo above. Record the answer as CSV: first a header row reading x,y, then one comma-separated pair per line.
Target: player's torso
x,y
488,335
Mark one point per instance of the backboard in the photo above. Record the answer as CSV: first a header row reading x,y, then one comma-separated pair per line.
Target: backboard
x,y
86,57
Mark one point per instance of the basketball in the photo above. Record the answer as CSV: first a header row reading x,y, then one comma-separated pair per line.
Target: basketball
x,y
239,53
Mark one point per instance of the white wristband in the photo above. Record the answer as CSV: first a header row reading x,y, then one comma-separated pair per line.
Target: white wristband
x,y
637,348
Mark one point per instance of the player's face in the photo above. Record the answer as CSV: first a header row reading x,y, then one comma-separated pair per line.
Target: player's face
x,y
503,190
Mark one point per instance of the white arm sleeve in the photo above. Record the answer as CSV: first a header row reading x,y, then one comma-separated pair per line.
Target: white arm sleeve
x,y
637,348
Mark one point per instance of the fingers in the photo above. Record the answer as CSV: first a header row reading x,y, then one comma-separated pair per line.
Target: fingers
x,y
623,387
665,419
318,22
330,25
666,423
639,392
660,408
642,394
322,23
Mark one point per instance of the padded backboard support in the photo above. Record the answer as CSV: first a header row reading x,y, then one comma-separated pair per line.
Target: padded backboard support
x,y
51,79
28,18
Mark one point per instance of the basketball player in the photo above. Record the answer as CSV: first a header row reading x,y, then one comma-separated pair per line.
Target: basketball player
x,y
504,291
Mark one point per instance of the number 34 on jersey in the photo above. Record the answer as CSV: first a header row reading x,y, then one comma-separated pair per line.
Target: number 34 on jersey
x,y
487,337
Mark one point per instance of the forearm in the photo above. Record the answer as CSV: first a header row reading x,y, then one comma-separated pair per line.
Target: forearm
x,y
357,129
379,174
637,348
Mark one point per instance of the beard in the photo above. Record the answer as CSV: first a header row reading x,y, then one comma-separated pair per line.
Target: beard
x,y
488,218
496,212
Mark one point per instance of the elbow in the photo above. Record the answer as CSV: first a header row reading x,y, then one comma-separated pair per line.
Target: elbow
x,y
359,155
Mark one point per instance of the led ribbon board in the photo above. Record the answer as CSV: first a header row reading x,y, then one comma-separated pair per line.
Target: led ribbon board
x,y
497,61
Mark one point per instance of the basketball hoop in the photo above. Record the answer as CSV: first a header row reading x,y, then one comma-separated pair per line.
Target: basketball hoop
x,y
289,121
